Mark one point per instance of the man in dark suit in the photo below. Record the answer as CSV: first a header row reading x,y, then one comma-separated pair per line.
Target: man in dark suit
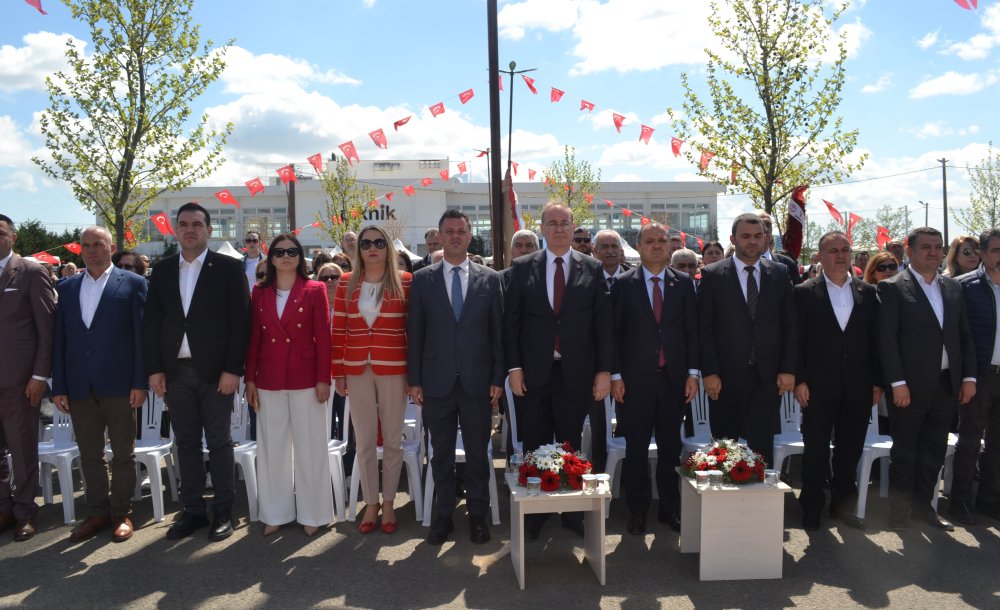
x,y
98,378
455,370
838,379
656,372
195,331
929,360
748,338
770,254
432,239
27,313
558,341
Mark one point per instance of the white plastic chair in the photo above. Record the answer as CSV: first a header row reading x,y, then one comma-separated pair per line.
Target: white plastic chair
x,y
60,453
515,438
702,437
946,470
413,457
788,442
877,447
150,450
337,449
459,458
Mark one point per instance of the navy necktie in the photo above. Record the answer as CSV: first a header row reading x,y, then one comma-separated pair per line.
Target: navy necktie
x,y
456,292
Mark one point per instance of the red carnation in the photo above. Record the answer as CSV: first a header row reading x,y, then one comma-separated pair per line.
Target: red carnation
x,y
567,446
574,481
705,466
740,472
550,480
526,470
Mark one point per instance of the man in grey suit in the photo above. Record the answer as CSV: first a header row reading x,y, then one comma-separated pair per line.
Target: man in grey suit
x,y
929,361
27,314
455,368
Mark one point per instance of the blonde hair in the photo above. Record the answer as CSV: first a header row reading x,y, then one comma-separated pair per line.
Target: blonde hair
x,y
876,260
951,267
391,285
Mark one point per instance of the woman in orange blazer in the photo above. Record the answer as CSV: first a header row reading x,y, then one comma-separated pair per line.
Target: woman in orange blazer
x,y
288,385
369,359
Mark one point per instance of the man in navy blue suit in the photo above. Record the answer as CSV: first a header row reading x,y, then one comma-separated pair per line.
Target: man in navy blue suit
x,y
98,378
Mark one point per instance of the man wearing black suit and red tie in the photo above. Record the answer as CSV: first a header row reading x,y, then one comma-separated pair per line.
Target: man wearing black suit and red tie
x,y
836,379
748,339
656,372
558,341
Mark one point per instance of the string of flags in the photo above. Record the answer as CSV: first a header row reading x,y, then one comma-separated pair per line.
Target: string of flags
x,y
882,236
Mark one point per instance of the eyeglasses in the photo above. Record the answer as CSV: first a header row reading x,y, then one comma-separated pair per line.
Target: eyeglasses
x,y
582,240
561,226
882,268
250,240
282,252
329,278
261,275
366,244
968,252
127,267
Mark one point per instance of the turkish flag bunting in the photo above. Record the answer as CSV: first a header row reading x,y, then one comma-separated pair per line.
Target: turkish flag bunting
x,y
45,257
378,137
589,197
373,204
401,122
350,152
610,203
627,212
483,153
706,157
335,220
852,219
129,236
882,230
644,221
409,190
287,174
254,186
426,182
162,223
316,224
461,167
297,231
317,162
701,242
444,175
226,197
882,238
530,82
619,121
684,238
500,81
732,174
531,174
437,109
645,134
966,4
556,95
73,247
37,4
466,95
513,164
833,212
388,196
585,105
675,145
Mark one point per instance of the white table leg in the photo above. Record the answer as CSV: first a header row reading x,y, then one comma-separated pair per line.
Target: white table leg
x,y
517,540
593,527
690,518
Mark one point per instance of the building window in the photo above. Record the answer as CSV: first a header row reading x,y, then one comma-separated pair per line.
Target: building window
x,y
429,163
385,166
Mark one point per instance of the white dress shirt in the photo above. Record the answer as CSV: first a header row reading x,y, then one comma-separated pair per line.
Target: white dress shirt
x,y
743,275
463,274
841,298
188,280
6,261
370,301
90,294
250,269
995,360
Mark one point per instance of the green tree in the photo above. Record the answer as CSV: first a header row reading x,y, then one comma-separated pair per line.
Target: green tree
x,y
864,233
982,212
346,200
572,182
119,128
33,237
773,101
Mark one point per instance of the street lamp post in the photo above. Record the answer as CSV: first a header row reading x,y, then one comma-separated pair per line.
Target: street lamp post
x,y
510,112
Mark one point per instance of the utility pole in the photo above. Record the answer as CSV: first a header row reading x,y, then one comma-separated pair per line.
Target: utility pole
x,y
944,196
510,113
291,202
496,190
926,208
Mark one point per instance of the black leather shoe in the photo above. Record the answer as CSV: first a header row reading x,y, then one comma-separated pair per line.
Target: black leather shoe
x,y
442,527
810,522
479,533
963,513
222,526
990,509
533,527
186,525
670,519
573,525
636,525
852,520
938,521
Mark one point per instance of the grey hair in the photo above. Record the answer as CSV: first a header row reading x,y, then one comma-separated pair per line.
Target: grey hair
x,y
524,233
679,254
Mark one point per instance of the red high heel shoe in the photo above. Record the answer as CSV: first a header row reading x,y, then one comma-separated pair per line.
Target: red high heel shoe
x,y
388,527
367,527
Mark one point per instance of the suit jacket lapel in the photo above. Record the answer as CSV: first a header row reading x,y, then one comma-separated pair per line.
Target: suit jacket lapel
x,y
475,276
642,296
204,279
540,274
110,288
440,287
736,284
9,272
910,284
825,302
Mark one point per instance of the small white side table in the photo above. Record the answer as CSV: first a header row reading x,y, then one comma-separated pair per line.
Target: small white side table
x,y
592,506
738,530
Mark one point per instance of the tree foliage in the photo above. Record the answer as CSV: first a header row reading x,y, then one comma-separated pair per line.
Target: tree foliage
x,y
864,233
33,237
571,182
119,126
772,101
346,200
983,212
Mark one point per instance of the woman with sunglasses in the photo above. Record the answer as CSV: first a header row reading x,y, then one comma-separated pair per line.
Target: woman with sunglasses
x,y
880,267
130,261
288,384
369,360
963,256
343,260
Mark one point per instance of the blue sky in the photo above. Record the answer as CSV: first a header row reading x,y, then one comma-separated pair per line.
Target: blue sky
x,y
305,76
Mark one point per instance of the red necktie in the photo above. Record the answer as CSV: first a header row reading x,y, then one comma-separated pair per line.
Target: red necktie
x,y
657,311
558,287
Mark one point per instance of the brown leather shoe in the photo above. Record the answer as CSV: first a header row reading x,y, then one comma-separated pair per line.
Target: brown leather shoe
x,y
89,528
123,529
25,531
6,521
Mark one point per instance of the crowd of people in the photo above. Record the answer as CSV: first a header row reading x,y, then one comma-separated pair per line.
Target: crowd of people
x,y
566,325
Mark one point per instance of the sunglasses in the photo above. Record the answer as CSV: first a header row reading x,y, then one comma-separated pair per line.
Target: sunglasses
x,y
329,278
127,267
282,252
582,240
366,244
261,275
968,252
886,267
251,241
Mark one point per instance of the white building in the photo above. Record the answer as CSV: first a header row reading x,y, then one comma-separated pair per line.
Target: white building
x,y
684,206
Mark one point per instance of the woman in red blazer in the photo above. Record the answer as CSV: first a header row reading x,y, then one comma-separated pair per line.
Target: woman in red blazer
x,y
288,385
369,358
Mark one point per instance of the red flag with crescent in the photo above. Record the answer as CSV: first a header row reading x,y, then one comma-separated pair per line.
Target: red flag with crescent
x,y
882,237
834,212
530,82
388,196
619,121
646,133
287,174
852,219
254,186
513,165
437,109
701,242
675,145
426,181
45,257
73,247
409,190
162,223
706,157
401,122
37,4
610,203
444,174
226,197
531,174
461,167
317,162
585,105
378,137
483,153
556,95
349,152
466,95
644,221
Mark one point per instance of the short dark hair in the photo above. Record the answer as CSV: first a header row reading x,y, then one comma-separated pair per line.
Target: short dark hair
x,y
986,236
272,273
253,232
831,235
709,244
429,232
194,206
749,218
581,230
10,223
454,214
912,237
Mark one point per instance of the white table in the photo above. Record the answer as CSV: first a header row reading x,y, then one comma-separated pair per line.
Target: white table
x,y
739,530
592,506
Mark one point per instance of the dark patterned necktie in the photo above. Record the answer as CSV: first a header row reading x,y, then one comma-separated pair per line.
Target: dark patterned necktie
x,y
657,312
751,291
456,292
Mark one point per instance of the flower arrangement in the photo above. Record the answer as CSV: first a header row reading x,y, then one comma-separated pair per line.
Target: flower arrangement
x,y
738,463
556,465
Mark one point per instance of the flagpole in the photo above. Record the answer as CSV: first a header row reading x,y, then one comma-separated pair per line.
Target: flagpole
x,y
496,194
